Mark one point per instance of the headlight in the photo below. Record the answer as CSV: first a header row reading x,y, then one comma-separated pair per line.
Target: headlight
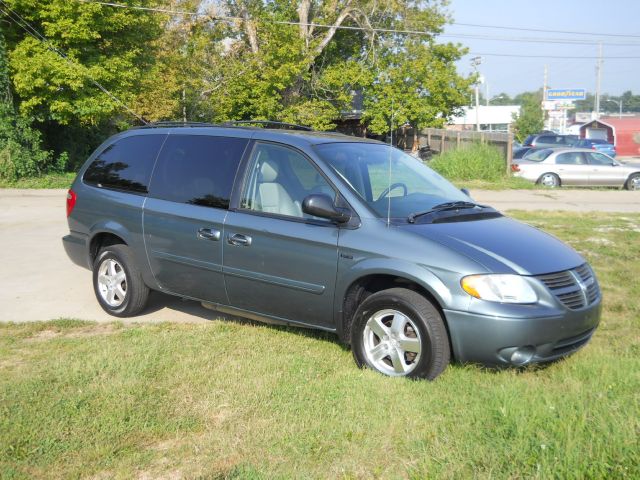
x,y
499,288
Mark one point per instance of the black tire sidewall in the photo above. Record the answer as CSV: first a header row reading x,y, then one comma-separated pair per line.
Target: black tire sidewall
x,y
104,254
382,301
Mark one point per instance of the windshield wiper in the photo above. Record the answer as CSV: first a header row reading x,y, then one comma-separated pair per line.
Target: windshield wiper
x,y
459,205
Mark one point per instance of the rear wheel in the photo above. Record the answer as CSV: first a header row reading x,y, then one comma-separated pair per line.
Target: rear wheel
x,y
400,333
118,283
633,182
550,180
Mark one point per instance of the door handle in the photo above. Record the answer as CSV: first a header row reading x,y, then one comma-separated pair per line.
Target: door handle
x,y
209,234
239,240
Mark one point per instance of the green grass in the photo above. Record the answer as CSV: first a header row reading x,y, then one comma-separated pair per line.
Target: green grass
x,y
478,166
476,162
240,400
52,180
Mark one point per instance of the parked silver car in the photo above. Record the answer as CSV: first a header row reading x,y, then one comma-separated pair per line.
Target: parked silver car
x,y
554,167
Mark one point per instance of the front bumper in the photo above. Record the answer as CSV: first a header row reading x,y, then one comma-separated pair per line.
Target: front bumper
x,y
508,341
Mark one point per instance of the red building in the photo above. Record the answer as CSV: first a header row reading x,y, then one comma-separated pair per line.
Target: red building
x,y
623,132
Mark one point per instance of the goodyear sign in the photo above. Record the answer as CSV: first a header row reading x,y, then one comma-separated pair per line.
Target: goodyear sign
x,y
567,94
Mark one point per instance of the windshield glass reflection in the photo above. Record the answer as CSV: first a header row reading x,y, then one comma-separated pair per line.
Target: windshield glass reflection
x,y
388,180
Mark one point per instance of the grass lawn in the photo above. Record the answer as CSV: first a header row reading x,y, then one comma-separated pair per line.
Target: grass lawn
x,y
240,400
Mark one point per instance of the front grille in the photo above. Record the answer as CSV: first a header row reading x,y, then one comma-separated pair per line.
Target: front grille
x,y
576,289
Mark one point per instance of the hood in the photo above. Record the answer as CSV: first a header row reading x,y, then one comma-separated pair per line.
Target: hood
x,y
503,245
631,165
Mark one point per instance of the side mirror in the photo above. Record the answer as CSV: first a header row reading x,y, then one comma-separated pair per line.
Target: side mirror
x,y
321,205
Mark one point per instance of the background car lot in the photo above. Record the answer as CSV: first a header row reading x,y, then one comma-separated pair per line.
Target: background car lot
x,y
555,167
601,146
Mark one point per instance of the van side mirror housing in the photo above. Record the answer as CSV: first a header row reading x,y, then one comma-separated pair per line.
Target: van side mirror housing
x,y
321,205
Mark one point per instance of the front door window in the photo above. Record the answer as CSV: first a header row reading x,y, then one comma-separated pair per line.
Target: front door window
x,y
280,178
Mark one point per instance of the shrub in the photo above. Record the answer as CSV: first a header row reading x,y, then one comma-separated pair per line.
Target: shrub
x,y
477,162
21,152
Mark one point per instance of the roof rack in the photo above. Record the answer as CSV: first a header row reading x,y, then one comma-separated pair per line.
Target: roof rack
x,y
171,123
267,123
235,123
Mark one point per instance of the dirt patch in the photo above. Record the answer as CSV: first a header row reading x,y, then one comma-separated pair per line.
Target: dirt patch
x,y
91,331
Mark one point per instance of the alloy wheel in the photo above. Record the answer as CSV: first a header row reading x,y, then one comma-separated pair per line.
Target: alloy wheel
x,y
112,282
392,342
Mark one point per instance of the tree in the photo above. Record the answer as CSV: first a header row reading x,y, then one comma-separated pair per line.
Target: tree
x,y
21,153
307,74
417,85
531,118
109,45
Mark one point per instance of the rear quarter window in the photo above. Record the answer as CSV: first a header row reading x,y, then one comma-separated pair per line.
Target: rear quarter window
x,y
126,164
539,155
197,169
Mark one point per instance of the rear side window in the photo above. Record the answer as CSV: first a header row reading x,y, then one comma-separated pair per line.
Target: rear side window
x,y
125,164
570,158
538,155
197,169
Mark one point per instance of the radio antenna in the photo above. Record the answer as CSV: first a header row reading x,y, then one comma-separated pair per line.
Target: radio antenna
x,y
389,177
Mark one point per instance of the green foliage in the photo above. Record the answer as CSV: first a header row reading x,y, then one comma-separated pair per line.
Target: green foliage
x,y
109,45
21,152
201,69
531,118
477,162
418,84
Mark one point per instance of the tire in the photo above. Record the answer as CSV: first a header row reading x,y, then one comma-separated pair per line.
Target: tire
x,y
550,180
411,322
633,182
117,282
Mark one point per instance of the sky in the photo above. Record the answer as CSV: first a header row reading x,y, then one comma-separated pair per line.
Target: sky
x,y
519,73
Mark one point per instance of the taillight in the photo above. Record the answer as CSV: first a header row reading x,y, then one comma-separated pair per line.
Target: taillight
x,y
71,201
515,167
593,147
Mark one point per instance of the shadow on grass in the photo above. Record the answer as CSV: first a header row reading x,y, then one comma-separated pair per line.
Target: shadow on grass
x,y
159,301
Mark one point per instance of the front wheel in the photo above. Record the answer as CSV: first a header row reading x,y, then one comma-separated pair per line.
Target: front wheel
x,y
550,180
400,333
118,283
633,182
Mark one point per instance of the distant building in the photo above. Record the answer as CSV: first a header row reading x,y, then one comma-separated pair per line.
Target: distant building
x,y
492,118
623,132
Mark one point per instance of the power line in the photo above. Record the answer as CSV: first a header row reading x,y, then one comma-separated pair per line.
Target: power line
x,y
502,27
568,41
562,41
16,18
519,55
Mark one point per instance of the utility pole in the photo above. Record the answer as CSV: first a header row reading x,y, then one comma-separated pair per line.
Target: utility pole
x,y
475,61
598,80
544,96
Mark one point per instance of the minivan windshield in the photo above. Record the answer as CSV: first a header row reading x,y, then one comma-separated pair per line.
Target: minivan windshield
x,y
391,182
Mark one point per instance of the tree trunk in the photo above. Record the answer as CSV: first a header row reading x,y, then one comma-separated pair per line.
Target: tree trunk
x,y
249,27
303,16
